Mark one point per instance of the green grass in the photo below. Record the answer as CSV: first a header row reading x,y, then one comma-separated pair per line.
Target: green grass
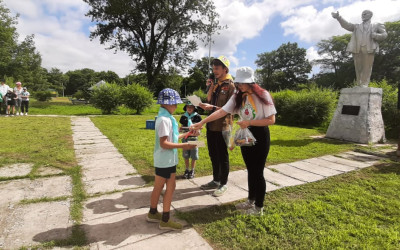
x,y
357,210
136,143
63,106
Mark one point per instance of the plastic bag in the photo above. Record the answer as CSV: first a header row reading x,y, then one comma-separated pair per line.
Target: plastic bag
x,y
244,137
226,134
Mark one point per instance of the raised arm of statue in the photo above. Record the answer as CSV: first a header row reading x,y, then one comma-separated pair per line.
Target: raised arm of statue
x,y
345,25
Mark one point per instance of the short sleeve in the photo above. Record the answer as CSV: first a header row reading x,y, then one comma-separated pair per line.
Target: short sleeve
x,y
164,127
269,109
230,105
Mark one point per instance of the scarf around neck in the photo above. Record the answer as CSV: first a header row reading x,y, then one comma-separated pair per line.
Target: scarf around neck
x,y
250,97
220,81
165,113
190,118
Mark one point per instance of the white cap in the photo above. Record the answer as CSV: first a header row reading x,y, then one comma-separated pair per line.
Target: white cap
x,y
244,75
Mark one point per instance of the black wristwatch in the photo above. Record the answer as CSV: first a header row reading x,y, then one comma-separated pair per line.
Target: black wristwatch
x,y
214,108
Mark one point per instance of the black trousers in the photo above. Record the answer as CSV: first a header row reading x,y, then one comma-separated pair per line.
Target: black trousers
x,y
24,106
255,157
218,152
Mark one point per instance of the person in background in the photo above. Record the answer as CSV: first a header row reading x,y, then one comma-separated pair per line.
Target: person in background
x,y
25,101
257,111
166,158
3,90
187,119
11,97
18,90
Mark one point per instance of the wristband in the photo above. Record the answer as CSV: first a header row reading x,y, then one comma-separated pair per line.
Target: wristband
x,y
214,108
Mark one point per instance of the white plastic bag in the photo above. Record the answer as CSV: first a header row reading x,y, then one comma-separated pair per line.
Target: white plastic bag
x,y
244,137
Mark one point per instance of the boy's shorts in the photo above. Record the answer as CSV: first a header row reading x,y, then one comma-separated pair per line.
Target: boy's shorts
x,y
193,153
165,172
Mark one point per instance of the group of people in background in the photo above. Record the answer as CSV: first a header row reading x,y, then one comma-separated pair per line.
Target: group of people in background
x,y
225,97
13,101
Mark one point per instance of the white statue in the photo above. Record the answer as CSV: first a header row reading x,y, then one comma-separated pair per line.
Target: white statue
x,y
363,44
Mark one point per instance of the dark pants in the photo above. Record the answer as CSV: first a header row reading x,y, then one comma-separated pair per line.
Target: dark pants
x,y
24,106
219,156
255,157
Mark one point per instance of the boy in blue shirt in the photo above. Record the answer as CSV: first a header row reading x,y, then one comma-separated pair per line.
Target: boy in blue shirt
x,y
166,158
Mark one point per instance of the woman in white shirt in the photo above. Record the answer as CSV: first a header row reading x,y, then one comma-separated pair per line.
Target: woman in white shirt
x,y
257,111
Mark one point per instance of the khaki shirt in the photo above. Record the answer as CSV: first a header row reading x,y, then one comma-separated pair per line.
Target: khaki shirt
x,y
223,94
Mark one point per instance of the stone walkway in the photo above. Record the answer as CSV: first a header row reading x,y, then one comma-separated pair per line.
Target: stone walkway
x,y
117,220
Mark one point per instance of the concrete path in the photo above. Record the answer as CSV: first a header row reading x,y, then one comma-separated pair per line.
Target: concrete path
x,y
115,217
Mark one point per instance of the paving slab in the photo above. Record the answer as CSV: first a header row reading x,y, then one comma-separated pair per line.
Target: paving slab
x,y
90,141
314,168
106,172
187,239
122,229
94,145
370,159
239,178
32,224
110,184
344,161
188,196
95,151
330,164
92,157
280,179
297,173
17,190
46,170
14,170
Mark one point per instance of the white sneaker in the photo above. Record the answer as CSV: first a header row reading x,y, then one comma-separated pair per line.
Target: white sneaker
x,y
220,190
26,113
255,211
17,114
245,205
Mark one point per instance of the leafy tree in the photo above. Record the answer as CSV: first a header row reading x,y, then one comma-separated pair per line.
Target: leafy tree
x,y
197,76
8,38
154,33
137,97
109,76
82,80
107,97
58,80
283,68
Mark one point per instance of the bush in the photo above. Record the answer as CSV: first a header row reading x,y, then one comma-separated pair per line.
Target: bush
x,y
200,93
107,97
42,96
307,107
390,114
79,95
136,97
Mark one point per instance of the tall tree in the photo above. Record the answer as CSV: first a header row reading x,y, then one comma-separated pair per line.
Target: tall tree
x,y
283,68
155,33
8,39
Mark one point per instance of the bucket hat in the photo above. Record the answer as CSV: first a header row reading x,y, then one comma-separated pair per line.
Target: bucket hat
x,y
244,75
188,103
224,60
169,97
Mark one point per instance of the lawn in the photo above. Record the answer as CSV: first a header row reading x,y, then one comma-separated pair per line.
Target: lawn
x,y
357,210
136,143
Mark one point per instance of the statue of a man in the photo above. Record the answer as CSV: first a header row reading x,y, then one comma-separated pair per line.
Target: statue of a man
x,y
363,44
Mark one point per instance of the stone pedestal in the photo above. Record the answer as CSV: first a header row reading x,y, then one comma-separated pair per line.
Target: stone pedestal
x,y
358,116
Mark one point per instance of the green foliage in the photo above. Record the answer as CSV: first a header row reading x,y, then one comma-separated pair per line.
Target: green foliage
x,y
107,97
307,107
390,113
136,97
42,96
283,68
200,93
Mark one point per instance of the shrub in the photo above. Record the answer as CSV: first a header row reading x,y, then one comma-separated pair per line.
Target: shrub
x,y
107,97
200,93
307,107
42,96
79,95
390,114
136,97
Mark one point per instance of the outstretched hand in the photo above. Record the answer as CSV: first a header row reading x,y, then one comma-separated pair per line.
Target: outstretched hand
x,y
196,126
335,14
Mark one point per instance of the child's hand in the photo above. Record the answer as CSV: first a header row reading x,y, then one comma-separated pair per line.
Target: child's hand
x,y
196,126
187,146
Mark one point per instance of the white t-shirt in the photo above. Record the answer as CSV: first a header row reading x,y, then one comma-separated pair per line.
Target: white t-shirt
x,y
164,158
3,89
247,112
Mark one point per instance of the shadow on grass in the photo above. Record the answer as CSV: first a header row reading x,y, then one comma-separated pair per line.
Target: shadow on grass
x,y
388,168
305,142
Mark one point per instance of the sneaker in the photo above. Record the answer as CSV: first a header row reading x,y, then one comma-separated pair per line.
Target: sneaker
x,y
221,190
191,174
210,185
186,174
255,211
245,205
17,114
170,225
154,217
26,113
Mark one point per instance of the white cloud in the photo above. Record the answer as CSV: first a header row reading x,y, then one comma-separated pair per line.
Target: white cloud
x,y
311,25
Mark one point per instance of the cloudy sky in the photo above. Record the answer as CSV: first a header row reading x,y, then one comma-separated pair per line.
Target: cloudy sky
x,y
62,30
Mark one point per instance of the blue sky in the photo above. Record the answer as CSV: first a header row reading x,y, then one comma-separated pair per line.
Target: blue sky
x,y
254,26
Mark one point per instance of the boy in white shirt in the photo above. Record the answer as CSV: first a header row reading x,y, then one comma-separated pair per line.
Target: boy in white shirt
x,y
166,158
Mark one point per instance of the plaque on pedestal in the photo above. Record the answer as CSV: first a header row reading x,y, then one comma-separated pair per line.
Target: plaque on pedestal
x,y
358,116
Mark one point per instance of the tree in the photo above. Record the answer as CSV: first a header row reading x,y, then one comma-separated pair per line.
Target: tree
x,y
154,33
337,66
197,76
58,80
81,79
8,38
283,68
